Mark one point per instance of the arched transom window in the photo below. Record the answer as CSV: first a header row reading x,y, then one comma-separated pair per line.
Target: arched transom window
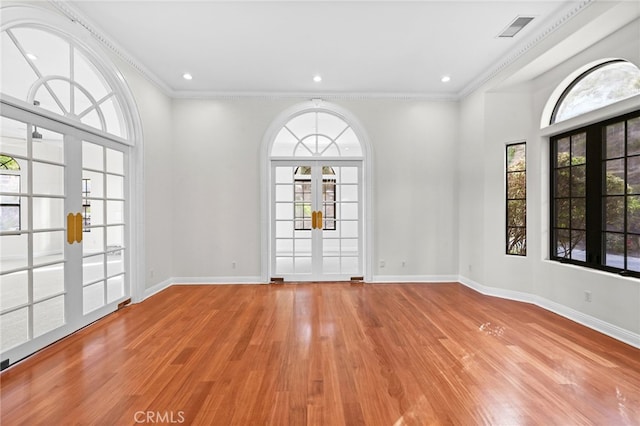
x,y
56,74
604,84
316,134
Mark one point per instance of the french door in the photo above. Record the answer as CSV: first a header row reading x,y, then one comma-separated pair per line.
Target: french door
x,y
63,252
316,224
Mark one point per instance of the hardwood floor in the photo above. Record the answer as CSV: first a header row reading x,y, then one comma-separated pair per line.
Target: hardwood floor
x,y
327,354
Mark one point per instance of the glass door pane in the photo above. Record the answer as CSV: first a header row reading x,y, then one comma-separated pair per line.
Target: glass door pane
x,y
32,232
341,235
292,213
48,248
317,221
63,233
103,214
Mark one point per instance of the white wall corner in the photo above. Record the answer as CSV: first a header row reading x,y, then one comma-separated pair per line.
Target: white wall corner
x,y
148,292
589,321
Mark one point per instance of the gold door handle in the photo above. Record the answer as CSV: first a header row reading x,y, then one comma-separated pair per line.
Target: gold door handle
x,y
74,228
319,219
313,220
71,228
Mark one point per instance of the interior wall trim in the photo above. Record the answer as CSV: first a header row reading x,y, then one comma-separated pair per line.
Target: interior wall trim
x,y
381,279
338,96
76,16
155,289
524,47
589,321
417,279
218,280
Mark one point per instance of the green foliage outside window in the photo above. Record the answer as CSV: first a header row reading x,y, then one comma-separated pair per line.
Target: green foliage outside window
x,y
8,163
516,241
571,180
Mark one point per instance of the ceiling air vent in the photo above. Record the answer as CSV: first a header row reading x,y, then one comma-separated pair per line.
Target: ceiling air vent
x,y
516,26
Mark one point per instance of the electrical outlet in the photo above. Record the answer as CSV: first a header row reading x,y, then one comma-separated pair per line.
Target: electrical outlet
x,y
382,263
233,265
404,263
587,296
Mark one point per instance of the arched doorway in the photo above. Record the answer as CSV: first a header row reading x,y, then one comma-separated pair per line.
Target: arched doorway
x,y
69,122
317,196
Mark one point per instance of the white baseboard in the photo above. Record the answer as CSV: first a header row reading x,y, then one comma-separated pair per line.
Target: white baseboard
x,y
258,280
594,323
200,281
414,279
148,292
217,280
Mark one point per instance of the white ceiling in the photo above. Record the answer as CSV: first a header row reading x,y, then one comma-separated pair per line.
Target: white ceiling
x,y
358,47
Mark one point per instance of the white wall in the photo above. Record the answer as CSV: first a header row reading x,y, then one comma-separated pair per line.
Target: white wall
x,y
216,184
508,118
202,183
154,108
415,191
471,188
506,114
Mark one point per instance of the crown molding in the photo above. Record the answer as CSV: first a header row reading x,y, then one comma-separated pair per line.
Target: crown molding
x,y
351,96
101,36
523,48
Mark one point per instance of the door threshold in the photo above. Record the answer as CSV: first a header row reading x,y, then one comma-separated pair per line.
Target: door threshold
x,y
281,281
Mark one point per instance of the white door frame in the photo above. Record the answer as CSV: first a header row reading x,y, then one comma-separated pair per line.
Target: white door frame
x,y
317,236
76,134
316,105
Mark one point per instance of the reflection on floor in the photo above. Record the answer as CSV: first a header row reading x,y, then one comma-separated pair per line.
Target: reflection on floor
x,y
329,354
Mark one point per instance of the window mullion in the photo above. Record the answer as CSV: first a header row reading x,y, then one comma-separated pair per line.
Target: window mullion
x,y
625,198
594,200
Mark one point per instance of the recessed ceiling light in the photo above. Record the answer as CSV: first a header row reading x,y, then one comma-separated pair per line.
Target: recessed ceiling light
x,y
32,56
187,76
317,79
445,79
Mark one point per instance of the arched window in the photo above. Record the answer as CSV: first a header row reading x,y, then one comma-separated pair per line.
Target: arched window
x,y
8,163
601,85
316,134
595,172
53,72
9,204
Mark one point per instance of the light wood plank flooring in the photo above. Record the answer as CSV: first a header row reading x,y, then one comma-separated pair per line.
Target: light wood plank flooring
x,y
327,354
